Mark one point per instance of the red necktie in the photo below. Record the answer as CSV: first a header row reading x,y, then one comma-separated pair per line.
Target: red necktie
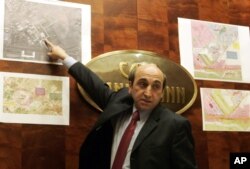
x,y
124,143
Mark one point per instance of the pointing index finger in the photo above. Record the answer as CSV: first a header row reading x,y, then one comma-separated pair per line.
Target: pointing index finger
x,y
48,43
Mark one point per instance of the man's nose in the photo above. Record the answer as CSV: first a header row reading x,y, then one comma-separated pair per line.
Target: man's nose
x,y
148,91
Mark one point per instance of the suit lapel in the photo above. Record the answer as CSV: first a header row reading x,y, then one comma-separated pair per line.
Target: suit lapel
x,y
150,124
114,110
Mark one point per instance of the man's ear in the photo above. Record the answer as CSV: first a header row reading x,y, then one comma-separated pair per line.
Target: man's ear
x,y
130,85
162,94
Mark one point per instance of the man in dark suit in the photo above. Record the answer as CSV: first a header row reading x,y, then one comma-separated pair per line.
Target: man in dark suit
x,y
161,139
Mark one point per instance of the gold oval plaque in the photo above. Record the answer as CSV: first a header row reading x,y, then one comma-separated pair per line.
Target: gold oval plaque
x,y
113,68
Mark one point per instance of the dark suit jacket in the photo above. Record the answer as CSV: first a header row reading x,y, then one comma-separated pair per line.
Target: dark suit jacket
x,y
164,142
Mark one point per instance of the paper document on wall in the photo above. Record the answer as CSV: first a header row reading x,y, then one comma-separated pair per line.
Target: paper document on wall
x,y
35,99
24,24
215,51
225,109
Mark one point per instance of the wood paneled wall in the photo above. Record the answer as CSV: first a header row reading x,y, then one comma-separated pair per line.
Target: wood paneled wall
x,y
124,24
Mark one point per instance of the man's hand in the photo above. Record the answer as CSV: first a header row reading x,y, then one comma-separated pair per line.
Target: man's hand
x,y
55,52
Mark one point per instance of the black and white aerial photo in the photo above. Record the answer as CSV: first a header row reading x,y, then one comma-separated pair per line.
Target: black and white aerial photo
x,y
26,23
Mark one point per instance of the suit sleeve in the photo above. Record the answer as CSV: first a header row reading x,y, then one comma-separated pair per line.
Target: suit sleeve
x,y
183,155
92,84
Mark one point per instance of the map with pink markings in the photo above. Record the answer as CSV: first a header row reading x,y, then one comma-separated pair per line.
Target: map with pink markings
x,y
32,96
225,109
214,51
36,99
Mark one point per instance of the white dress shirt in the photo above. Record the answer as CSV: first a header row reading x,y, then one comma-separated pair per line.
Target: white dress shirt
x,y
121,124
69,61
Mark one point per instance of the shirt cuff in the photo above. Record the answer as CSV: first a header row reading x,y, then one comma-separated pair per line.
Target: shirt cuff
x,y
69,61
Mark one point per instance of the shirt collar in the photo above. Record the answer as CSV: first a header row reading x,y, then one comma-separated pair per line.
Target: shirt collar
x,y
143,114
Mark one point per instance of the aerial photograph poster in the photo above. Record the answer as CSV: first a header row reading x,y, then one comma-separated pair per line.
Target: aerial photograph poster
x,y
25,24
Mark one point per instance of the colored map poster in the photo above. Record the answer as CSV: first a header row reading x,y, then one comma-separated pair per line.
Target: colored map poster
x,y
225,110
38,99
214,51
24,24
